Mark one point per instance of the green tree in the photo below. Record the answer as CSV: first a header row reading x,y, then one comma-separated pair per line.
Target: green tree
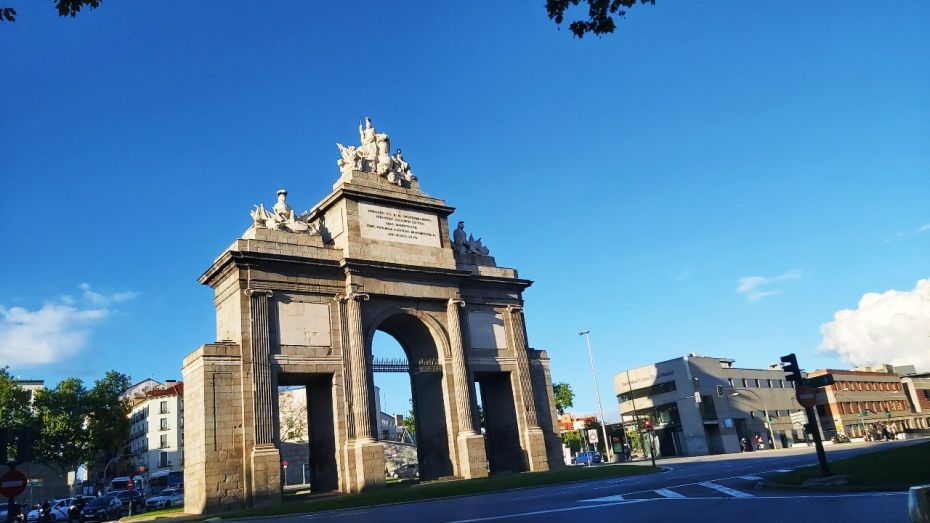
x,y
572,440
65,8
409,421
108,423
15,414
63,442
601,14
564,397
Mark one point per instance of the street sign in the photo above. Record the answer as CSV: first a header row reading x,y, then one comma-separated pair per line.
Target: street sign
x,y
592,435
806,396
12,484
819,381
284,463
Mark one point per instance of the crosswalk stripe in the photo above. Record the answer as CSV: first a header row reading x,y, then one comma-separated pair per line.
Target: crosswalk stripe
x,y
750,478
604,499
666,493
726,490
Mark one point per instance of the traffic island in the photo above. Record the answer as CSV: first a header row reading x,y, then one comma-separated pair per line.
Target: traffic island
x,y
888,470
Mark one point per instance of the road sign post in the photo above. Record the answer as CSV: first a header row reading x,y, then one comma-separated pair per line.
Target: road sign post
x,y
284,464
12,484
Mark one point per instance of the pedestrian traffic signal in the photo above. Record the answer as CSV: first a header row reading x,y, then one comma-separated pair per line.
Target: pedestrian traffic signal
x,y
647,424
790,364
719,391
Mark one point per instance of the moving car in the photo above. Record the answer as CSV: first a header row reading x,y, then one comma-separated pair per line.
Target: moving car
x,y
410,470
134,497
169,497
59,511
104,508
584,458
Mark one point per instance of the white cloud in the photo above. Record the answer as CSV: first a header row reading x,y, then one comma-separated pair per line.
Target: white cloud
x,y
757,287
57,330
914,232
889,327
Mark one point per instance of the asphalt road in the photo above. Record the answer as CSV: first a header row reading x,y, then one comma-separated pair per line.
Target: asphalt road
x,y
702,488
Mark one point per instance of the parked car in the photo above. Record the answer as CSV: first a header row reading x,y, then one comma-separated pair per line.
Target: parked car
x,y
59,511
410,470
169,497
104,508
585,458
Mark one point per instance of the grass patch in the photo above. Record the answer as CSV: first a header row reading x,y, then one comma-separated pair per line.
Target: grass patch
x,y
403,492
152,514
898,467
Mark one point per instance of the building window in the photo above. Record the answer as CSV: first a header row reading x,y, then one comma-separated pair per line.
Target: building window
x,y
745,382
659,388
757,384
163,459
163,424
163,444
163,408
730,382
926,394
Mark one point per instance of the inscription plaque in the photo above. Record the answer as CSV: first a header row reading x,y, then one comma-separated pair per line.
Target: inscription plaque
x,y
398,225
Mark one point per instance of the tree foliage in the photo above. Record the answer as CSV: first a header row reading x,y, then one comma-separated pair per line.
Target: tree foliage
x,y
564,397
15,414
409,421
293,416
65,8
601,14
61,413
108,423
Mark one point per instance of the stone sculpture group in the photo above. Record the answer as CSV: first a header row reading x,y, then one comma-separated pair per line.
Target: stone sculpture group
x,y
373,156
467,244
282,217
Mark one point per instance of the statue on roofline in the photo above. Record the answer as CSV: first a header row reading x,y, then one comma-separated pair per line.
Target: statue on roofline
x,y
373,155
282,217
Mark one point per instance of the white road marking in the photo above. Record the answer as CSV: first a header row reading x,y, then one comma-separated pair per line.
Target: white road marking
x,y
726,490
605,499
750,478
666,493
550,511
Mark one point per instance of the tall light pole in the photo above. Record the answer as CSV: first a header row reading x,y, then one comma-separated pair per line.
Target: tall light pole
x,y
597,393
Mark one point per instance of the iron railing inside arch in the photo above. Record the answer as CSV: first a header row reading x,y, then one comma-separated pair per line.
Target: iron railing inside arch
x,y
402,365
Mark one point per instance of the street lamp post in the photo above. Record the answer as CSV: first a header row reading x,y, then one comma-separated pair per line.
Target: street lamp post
x,y
597,394
765,412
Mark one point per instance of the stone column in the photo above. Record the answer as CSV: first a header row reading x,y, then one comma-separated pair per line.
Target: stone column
x,y
532,439
265,457
473,461
369,454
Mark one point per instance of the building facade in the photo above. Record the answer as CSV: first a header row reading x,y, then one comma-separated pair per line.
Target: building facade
x,y
156,439
704,405
917,388
860,401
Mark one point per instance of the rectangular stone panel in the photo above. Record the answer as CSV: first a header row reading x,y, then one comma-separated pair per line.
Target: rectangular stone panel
x,y
304,324
379,222
486,330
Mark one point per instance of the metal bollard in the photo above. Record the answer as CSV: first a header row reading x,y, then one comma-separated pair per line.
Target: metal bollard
x,y
918,504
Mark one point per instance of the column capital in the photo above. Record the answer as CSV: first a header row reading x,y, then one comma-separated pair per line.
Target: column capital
x,y
357,296
258,292
456,301
514,308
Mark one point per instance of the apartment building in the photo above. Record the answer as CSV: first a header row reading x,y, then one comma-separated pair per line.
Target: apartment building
x,y
156,438
859,399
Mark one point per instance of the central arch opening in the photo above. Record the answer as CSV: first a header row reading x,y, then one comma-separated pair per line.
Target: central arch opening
x,y
403,349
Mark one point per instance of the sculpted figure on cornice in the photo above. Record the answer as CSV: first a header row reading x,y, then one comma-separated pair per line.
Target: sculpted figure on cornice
x,y
466,243
373,155
282,217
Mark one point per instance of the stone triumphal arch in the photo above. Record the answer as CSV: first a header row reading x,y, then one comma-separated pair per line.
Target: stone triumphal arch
x,y
298,300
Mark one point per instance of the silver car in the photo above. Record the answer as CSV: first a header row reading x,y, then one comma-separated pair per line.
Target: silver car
x,y
170,497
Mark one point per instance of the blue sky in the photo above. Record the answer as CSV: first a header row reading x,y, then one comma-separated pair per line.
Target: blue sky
x,y
638,178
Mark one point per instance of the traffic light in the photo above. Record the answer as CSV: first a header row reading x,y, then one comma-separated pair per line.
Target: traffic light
x,y
790,364
647,424
719,391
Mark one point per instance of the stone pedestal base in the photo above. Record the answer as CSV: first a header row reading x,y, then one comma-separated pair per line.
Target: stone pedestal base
x,y
369,465
266,476
473,460
554,451
535,449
